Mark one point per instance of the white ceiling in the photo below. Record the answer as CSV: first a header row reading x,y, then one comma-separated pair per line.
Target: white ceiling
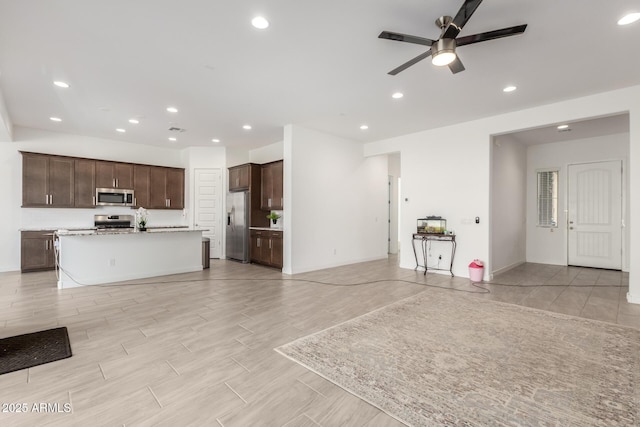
x,y
581,129
319,64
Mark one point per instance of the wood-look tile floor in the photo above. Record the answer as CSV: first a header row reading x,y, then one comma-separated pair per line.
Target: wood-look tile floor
x,y
197,349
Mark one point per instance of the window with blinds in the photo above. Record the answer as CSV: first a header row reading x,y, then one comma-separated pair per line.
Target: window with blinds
x,y
548,198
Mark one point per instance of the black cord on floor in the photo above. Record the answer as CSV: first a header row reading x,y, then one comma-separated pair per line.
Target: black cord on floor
x,y
318,282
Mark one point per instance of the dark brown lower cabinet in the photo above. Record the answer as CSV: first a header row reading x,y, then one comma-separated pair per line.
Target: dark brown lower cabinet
x,y
36,251
266,248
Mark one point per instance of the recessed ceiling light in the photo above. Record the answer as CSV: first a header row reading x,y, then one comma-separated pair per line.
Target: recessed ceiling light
x,y
509,89
629,18
216,140
134,121
246,127
397,95
364,127
260,22
55,119
61,84
561,127
120,130
172,109
172,139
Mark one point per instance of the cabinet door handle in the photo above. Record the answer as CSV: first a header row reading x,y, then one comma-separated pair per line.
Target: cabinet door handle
x,y
269,243
269,202
46,199
169,202
258,243
93,200
135,201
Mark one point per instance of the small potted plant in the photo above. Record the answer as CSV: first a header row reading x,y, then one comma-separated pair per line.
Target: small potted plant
x,y
141,219
274,217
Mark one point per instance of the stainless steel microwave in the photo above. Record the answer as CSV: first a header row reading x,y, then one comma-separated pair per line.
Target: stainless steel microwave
x,y
114,197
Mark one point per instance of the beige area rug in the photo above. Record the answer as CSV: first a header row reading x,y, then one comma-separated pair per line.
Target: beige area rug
x,y
445,359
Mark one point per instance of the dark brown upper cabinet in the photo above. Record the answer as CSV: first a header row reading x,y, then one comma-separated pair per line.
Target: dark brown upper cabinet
x,y
166,189
114,175
85,183
48,181
272,182
240,177
67,182
141,185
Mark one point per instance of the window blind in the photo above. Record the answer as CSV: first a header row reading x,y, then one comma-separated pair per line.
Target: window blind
x,y
548,198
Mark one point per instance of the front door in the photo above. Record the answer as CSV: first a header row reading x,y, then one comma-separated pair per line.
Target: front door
x,y
595,215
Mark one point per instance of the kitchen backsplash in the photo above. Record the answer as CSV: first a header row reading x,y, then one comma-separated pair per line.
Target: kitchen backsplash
x,y
32,218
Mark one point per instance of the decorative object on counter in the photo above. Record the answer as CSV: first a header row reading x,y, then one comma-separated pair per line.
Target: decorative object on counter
x,y
141,219
432,225
274,217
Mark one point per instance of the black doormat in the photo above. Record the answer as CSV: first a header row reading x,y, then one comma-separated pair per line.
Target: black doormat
x,y
37,348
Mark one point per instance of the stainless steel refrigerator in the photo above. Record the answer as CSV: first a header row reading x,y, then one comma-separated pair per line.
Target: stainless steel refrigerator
x,y
237,237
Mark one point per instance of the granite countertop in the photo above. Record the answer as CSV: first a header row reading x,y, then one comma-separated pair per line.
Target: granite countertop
x,y
266,228
40,228
92,228
94,232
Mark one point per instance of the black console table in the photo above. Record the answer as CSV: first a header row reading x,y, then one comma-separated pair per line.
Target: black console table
x,y
424,239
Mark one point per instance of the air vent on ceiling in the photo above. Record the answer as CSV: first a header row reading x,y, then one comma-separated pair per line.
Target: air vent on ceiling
x,y
175,129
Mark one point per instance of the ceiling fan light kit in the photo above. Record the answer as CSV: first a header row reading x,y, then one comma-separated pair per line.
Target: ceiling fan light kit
x,y
443,50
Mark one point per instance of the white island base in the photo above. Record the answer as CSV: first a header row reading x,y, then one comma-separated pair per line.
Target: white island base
x,y
103,257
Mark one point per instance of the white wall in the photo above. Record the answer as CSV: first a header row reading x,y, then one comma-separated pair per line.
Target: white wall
x,y
446,171
13,217
337,202
267,154
508,201
549,245
237,156
6,126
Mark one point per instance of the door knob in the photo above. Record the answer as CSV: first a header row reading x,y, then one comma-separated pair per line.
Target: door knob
x,y
570,228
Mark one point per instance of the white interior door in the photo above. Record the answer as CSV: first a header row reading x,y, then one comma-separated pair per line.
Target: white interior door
x,y
208,207
595,215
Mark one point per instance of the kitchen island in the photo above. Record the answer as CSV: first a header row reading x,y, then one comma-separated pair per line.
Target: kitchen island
x,y
91,257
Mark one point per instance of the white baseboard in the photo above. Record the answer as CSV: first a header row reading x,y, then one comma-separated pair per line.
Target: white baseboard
x,y
507,268
633,299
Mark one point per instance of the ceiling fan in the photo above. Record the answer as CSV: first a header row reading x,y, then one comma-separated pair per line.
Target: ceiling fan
x,y
443,50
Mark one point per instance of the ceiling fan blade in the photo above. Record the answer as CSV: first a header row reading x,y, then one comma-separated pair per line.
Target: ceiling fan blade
x,y
410,63
491,35
461,18
456,66
405,38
